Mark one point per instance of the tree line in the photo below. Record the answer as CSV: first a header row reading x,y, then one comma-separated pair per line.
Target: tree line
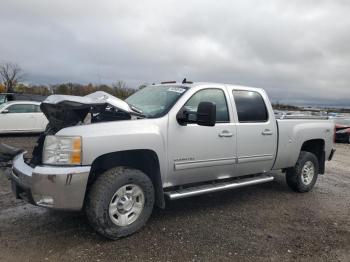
x,y
11,81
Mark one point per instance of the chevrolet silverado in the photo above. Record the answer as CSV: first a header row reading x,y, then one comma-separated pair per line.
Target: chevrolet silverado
x,y
118,159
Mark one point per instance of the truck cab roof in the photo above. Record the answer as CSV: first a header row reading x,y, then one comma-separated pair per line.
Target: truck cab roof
x,y
209,84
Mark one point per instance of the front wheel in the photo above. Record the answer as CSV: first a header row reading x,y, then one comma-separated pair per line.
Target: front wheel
x,y
302,177
120,202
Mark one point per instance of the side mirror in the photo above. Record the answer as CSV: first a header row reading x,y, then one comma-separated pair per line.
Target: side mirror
x,y
206,114
5,111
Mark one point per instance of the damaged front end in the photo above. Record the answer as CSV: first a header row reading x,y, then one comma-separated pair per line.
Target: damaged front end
x,y
60,187
65,111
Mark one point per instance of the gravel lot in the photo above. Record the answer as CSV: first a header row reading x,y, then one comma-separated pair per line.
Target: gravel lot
x,y
267,222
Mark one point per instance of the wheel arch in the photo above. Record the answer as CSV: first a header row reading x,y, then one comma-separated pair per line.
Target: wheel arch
x,y
145,160
317,147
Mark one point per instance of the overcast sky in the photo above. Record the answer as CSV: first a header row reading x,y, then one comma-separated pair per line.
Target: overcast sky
x,y
299,52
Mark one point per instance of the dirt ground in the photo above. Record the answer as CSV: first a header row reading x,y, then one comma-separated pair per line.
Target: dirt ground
x,y
266,222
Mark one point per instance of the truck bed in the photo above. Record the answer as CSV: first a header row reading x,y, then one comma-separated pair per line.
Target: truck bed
x,y
293,130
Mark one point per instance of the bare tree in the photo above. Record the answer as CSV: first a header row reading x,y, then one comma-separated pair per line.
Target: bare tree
x,y
120,85
10,74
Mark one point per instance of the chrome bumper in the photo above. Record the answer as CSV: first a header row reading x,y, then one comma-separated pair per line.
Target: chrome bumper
x,y
50,186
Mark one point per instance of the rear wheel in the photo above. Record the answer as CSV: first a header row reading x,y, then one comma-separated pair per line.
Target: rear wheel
x,y
120,202
302,177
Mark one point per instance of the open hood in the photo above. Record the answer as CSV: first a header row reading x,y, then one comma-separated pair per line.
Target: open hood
x,y
96,98
65,110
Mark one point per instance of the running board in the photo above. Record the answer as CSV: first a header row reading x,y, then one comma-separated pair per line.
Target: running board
x,y
210,188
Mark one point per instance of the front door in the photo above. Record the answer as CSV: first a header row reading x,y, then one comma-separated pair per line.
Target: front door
x,y
202,153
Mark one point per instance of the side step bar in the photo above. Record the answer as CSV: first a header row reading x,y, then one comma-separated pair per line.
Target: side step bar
x,y
210,188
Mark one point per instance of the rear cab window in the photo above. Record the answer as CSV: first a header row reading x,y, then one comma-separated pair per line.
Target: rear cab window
x,y
250,106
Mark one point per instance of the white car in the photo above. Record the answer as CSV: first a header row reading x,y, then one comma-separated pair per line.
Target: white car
x,y
22,117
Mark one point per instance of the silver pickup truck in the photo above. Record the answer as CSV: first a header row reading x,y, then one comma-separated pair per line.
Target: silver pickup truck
x,y
118,159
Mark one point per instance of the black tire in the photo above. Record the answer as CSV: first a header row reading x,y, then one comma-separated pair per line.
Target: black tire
x,y
294,176
101,193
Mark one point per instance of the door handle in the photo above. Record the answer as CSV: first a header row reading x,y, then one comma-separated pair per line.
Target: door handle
x,y
267,132
225,133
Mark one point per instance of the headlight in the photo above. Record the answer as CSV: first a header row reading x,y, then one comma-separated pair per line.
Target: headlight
x,y
62,150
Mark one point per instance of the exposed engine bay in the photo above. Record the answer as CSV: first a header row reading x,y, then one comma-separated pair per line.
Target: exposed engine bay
x,y
64,111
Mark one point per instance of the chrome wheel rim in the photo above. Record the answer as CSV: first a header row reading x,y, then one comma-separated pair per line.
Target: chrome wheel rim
x,y
126,205
307,173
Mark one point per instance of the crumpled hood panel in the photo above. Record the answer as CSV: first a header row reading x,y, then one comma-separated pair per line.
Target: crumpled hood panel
x,y
66,110
96,98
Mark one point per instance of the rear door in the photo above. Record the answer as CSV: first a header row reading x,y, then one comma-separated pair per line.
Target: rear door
x,y
256,132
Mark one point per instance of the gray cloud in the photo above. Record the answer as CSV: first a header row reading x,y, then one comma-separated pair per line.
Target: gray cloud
x,y
299,52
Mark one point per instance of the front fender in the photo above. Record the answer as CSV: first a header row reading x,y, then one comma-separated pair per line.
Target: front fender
x,y
108,137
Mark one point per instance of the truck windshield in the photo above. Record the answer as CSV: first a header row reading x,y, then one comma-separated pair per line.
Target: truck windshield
x,y
155,101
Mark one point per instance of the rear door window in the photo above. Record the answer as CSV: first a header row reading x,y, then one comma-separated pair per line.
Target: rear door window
x,y
250,106
37,109
21,108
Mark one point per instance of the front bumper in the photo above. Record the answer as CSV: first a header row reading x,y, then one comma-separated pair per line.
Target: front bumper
x,y
50,186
